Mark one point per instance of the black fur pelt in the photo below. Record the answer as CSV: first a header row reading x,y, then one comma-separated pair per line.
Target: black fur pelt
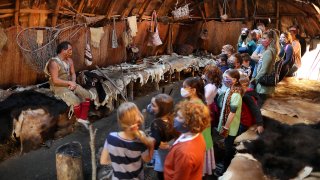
x,y
284,150
89,79
11,108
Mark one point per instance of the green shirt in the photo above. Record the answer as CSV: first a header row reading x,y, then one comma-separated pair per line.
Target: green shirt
x,y
235,102
268,61
207,132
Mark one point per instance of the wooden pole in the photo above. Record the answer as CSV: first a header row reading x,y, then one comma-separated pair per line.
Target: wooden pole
x,y
207,9
130,91
143,8
126,12
16,13
56,13
246,14
161,11
81,5
5,15
278,14
110,9
93,151
220,9
177,76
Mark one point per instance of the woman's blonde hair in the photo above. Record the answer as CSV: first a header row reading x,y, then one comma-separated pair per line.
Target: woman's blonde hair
x,y
196,115
128,114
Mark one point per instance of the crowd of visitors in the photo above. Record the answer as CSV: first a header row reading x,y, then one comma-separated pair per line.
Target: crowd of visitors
x,y
225,101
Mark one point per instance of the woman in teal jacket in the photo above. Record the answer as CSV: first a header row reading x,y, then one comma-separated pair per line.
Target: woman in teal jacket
x,y
270,41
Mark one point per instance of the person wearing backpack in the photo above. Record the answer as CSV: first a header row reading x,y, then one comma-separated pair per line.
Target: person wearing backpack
x,y
286,54
250,110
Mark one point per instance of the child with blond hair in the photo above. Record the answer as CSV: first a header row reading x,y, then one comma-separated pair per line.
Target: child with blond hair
x,y
127,149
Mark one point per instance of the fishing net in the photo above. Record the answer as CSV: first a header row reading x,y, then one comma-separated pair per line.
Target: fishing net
x,y
38,44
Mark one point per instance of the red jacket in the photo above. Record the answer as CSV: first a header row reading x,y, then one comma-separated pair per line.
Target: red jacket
x,y
185,160
250,113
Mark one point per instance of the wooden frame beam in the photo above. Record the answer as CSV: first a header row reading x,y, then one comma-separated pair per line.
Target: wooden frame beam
x,y
56,13
246,14
206,8
5,15
144,7
81,6
162,8
277,14
110,9
126,12
16,13
291,3
6,4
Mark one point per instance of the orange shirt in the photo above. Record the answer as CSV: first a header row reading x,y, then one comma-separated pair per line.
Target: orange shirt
x,y
185,160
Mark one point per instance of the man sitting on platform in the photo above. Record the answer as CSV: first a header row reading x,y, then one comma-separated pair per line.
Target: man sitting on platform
x,y
62,79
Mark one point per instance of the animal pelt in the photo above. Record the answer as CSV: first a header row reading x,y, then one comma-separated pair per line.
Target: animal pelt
x,y
89,79
33,127
284,150
12,107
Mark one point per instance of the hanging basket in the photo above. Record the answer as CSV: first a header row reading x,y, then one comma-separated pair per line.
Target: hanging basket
x,y
182,12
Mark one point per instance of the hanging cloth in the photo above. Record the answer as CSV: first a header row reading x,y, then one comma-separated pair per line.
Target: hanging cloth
x,y
3,38
126,36
132,21
96,35
114,35
87,51
39,37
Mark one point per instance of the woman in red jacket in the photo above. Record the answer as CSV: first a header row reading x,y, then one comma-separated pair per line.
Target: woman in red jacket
x,y
186,157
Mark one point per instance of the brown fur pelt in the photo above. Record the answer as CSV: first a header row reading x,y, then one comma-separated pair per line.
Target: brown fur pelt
x,y
183,49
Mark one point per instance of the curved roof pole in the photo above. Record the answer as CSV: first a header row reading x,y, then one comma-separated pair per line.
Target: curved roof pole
x,y
16,13
278,14
56,13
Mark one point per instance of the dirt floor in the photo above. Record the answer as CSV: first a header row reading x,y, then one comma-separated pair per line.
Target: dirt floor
x,y
291,102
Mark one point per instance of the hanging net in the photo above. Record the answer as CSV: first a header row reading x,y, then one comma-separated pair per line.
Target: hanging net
x,y
38,44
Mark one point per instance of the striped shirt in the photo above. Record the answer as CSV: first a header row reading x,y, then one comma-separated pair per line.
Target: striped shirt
x,y
125,156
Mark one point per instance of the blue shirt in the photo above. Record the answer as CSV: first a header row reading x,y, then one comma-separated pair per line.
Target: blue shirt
x,y
259,49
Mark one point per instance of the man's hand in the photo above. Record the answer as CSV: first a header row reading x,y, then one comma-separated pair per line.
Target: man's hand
x,y
72,85
260,129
